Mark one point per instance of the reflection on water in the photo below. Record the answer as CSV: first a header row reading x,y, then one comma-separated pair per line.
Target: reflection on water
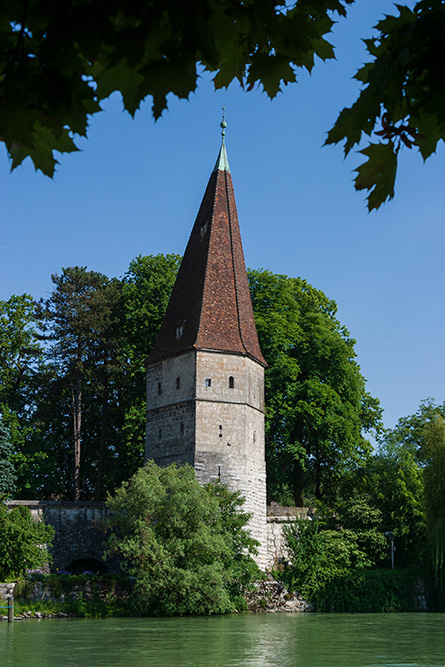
x,y
297,640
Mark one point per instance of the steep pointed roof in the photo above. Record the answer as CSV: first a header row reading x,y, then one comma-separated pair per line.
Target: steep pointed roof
x,y
210,306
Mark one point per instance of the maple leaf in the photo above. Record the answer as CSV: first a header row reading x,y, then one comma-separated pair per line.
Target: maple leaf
x,y
377,174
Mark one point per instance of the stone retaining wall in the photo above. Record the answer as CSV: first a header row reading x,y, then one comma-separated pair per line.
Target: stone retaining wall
x,y
80,533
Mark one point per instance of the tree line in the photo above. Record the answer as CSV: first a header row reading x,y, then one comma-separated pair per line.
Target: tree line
x,y
73,382
72,403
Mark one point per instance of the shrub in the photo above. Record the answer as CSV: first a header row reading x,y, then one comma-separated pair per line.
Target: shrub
x,y
186,545
23,541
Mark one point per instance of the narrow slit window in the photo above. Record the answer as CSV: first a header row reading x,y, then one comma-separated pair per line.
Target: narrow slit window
x,y
208,382
231,382
178,383
182,429
160,434
220,431
159,388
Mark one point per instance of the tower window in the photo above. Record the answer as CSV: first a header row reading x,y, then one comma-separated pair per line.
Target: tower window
x,y
179,331
220,431
231,382
160,434
208,382
159,388
178,383
182,429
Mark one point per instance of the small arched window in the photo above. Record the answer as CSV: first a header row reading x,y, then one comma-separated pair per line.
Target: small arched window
x,y
231,382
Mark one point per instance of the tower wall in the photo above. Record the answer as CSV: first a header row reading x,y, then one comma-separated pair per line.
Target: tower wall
x,y
212,419
170,432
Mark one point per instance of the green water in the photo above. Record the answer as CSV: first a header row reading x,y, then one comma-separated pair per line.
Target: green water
x,y
300,640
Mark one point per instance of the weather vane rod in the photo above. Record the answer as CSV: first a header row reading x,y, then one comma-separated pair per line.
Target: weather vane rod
x,y
223,123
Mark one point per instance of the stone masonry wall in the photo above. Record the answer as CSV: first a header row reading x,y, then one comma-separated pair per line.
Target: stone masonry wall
x,y
277,518
207,409
79,526
79,529
230,432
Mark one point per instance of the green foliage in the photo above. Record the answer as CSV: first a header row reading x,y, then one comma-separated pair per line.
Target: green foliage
x,y
316,404
434,480
80,595
23,541
60,60
402,99
332,545
366,591
7,474
185,545
100,333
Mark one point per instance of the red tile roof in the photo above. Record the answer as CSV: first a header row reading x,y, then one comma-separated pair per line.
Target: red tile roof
x,y
210,306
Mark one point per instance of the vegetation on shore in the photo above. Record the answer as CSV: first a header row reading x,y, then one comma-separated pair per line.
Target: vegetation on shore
x,y
80,354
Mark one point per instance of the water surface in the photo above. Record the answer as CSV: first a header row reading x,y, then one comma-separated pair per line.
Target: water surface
x,y
297,640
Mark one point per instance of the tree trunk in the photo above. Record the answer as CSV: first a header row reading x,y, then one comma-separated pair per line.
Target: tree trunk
x,y
77,423
102,440
298,484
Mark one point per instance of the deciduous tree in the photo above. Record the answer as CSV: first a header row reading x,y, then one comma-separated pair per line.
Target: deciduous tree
x,y
401,104
186,545
317,407
59,60
23,541
7,474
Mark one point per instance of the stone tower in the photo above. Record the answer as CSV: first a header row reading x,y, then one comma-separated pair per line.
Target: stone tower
x,y
205,376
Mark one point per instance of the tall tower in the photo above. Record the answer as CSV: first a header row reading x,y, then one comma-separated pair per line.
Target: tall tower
x,y
205,376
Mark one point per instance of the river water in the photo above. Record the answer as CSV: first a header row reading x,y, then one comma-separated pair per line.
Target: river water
x,y
263,640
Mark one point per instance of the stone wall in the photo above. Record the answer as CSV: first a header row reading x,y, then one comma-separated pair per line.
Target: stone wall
x,y
277,518
79,529
207,409
6,591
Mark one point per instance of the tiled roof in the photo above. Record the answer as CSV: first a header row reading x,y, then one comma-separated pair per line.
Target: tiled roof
x,y
210,306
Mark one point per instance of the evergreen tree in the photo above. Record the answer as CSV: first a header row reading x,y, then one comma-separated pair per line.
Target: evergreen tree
x,y
76,320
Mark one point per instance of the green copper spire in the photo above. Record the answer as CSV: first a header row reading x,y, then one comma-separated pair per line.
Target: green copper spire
x,y
222,163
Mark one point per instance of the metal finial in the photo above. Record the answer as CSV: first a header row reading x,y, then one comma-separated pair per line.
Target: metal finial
x,y
223,123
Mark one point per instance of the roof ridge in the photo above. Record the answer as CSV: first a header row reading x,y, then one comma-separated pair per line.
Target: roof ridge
x,y
233,264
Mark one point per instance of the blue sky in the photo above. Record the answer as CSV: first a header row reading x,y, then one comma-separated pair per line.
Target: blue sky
x,y
136,187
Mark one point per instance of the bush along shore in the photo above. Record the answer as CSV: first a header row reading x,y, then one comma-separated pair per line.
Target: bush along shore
x,y
41,596
66,595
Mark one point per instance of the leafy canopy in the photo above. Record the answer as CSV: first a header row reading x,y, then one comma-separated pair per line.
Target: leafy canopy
x,y
59,60
7,473
23,541
402,101
186,545
317,407
333,544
